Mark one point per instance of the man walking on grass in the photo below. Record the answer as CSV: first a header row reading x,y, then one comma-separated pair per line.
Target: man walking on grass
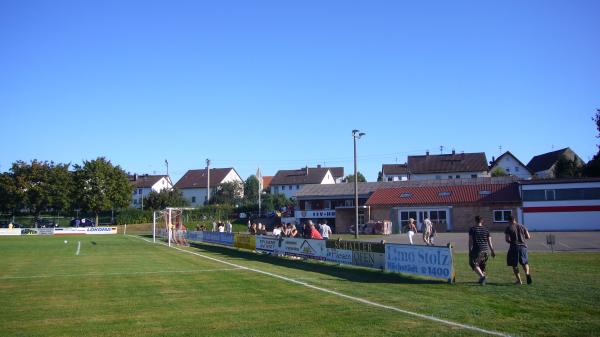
x,y
516,234
479,244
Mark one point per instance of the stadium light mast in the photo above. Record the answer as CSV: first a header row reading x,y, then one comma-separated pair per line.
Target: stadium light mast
x,y
356,134
207,181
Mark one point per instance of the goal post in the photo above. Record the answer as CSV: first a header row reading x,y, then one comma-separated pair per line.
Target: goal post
x,y
171,227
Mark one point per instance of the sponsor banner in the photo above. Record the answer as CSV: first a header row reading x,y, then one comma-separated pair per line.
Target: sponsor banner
x,y
12,231
45,231
218,237
315,214
364,254
266,243
427,261
245,241
29,231
101,230
69,230
194,235
339,255
306,248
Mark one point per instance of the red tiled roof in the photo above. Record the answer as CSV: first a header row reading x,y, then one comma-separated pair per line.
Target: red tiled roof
x,y
267,182
446,195
198,178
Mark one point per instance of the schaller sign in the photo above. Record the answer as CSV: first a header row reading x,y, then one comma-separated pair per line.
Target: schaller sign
x,y
427,261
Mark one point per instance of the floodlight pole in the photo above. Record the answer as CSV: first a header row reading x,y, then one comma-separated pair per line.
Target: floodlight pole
x,y
356,134
207,181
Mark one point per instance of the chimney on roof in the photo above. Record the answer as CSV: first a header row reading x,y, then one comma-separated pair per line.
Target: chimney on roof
x,y
306,170
318,165
427,153
453,152
135,177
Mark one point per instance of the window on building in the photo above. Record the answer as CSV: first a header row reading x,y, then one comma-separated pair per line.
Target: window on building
x,y
516,169
438,177
135,201
193,199
449,177
308,205
473,176
327,204
290,187
484,192
458,176
276,189
550,195
405,215
507,170
534,195
140,191
134,192
502,215
297,187
445,194
405,195
390,178
348,202
283,187
591,193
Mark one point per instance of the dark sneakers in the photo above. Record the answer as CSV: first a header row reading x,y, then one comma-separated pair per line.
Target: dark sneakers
x,y
482,280
528,279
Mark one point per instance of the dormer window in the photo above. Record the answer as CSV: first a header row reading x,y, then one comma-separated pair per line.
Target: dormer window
x,y
405,195
444,194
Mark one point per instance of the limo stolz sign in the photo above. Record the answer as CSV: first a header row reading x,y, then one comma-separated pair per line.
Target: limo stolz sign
x,y
427,261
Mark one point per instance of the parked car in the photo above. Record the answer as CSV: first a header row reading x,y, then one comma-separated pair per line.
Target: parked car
x,y
45,223
83,222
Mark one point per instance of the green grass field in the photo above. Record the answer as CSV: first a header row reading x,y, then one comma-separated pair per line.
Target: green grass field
x,y
124,286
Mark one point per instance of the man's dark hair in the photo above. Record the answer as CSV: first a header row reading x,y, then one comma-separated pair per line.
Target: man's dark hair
x,y
510,218
477,219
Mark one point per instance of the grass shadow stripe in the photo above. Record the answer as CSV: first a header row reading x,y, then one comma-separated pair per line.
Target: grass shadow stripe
x,y
336,293
121,273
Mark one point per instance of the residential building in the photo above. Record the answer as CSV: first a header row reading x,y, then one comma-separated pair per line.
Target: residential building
x,y
194,183
543,165
561,204
144,184
450,207
447,166
289,182
511,165
266,183
394,172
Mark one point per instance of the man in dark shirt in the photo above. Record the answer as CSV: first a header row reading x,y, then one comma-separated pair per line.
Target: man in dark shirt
x,y
479,244
516,234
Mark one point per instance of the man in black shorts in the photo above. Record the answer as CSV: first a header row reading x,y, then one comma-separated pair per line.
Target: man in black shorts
x,y
479,244
515,235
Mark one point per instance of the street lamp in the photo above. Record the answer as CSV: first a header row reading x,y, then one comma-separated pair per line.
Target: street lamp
x,y
356,134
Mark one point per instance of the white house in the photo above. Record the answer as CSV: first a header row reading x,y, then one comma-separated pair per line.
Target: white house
x,y
193,184
394,172
144,184
289,182
511,165
447,166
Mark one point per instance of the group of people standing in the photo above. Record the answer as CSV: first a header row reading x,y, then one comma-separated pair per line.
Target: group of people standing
x,y
480,242
321,231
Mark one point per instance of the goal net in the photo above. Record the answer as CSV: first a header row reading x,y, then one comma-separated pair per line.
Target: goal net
x,y
168,225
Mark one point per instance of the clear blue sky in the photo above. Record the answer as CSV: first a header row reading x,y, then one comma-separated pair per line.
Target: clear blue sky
x,y
281,84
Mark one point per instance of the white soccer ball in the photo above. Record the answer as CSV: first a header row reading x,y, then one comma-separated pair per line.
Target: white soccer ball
x,y
66,241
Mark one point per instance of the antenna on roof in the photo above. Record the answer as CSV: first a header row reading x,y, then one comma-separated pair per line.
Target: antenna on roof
x,y
441,149
500,148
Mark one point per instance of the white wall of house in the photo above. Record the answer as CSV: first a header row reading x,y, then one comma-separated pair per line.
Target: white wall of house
x,y
449,175
328,179
196,196
395,177
139,193
549,173
513,167
288,190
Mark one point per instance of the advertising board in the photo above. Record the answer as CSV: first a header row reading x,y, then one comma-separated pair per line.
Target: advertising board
x,y
266,243
12,231
245,241
218,237
306,248
430,261
195,235
364,254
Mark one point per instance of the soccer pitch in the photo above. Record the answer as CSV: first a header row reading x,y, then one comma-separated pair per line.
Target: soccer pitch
x,y
126,286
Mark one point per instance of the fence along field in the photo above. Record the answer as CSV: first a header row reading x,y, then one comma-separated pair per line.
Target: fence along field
x,y
121,285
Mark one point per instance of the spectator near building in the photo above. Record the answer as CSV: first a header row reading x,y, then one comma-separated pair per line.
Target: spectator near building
x,y
193,184
289,182
144,184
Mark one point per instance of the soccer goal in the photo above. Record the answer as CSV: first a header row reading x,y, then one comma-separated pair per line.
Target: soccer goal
x,y
168,225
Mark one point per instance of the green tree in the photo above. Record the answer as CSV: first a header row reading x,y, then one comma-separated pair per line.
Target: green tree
x,y
8,193
592,168
229,193
60,187
275,201
251,190
165,198
100,186
566,168
350,178
499,172
32,182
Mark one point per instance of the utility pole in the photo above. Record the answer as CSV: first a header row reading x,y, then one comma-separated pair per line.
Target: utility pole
x,y
207,181
356,134
167,163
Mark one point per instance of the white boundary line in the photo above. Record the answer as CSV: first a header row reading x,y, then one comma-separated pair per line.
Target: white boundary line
x,y
352,298
78,248
120,274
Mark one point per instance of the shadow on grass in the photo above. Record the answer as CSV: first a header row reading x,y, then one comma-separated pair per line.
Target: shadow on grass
x,y
348,273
